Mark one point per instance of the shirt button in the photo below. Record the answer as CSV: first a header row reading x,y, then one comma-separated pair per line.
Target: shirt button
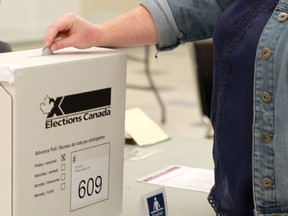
x,y
266,97
266,182
266,53
266,138
282,17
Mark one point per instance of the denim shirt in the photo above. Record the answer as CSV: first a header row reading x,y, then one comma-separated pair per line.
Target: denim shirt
x,y
270,129
194,20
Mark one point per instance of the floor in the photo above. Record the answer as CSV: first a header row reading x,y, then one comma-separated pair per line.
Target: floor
x,y
173,73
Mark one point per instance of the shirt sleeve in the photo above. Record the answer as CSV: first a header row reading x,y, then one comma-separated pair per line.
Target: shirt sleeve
x,y
183,21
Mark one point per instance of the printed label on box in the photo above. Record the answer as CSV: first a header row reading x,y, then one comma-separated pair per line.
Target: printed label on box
x,y
89,176
75,108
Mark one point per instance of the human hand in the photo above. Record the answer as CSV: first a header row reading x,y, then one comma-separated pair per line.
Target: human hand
x,y
72,31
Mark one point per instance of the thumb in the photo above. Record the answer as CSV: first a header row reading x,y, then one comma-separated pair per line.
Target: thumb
x,y
62,43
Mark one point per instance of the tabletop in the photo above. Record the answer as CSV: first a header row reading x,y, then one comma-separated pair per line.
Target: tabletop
x,y
177,151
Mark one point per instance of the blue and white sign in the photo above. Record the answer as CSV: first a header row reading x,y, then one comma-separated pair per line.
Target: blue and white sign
x,y
154,203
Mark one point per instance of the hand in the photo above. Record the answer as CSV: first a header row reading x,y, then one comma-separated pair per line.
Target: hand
x,y
72,31
136,27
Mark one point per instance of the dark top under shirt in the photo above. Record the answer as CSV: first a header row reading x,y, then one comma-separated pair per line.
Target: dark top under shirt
x,y
236,37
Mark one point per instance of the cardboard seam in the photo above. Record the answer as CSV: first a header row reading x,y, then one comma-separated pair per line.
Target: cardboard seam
x,y
9,160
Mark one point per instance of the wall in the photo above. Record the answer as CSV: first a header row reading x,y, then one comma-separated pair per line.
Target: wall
x,y
27,20
33,14
118,6
99,10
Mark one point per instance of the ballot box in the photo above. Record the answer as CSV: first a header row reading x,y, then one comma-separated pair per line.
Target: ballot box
x,y
62,132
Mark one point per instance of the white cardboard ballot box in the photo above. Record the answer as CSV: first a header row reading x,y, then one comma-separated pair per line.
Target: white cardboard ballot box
x,y
62,132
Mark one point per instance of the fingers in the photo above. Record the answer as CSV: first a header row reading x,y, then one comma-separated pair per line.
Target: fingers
x,y
57,34
72,30
63,43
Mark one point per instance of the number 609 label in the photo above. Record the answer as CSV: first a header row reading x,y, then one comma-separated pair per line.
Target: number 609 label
x,y
89,176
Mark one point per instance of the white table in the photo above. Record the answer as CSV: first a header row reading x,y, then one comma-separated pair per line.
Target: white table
x,y
177,151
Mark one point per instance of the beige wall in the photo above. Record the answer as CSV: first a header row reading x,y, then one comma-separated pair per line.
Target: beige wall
x,y
98,11
36,16
117,6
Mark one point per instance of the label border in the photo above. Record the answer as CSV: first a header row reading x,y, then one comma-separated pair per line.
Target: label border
x,y
71,158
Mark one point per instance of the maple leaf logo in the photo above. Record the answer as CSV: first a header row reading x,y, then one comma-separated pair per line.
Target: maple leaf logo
x,y
46,105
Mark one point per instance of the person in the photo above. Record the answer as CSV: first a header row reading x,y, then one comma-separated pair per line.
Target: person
x,y
250,86
5,47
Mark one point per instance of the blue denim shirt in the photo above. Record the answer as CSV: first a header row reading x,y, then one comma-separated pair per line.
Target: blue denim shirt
x,y
194,20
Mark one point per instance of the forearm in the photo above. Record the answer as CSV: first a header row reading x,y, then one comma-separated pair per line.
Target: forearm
x,y
133,28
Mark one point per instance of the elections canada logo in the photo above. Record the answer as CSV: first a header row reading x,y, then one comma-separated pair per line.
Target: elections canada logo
x,y
71,109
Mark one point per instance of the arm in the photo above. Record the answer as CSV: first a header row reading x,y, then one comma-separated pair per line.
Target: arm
x,y
166,23
183,21
136,27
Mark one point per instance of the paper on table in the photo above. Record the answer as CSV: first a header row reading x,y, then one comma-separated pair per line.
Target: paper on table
x,y
133,152
182,177
142,129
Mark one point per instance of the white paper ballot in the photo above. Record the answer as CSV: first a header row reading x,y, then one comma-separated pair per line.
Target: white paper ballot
x,y
182,177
